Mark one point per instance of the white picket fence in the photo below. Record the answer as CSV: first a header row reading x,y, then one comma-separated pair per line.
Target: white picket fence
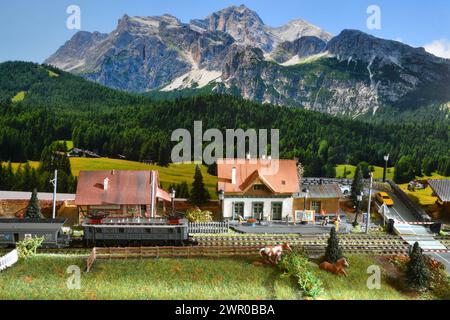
x,y
8,260
209,227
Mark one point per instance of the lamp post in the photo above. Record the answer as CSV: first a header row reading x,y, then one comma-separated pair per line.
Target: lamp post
x,y
172,197
359,198
386,159
221,195
306,192
368,207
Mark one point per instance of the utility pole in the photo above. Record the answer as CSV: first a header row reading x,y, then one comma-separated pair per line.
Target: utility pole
x,y
55,185
386,159
368,207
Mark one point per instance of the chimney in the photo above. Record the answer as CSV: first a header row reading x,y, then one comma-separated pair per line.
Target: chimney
x,y
233,176
105,184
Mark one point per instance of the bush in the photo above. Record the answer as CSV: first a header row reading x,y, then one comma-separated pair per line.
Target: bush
x,y
333,252
417,272
296,265
197,215
27,248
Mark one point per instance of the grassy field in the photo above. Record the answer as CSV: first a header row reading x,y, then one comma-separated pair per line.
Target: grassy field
x,y
378,173
355,286
45,277
423,197
68,143
20,96
175,173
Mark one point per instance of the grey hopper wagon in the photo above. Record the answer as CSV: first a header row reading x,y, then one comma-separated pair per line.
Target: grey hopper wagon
x,y
15,230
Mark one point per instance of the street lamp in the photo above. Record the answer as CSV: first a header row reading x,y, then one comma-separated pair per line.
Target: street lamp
x,y
359,199
172,197
306,192
386,159
221,195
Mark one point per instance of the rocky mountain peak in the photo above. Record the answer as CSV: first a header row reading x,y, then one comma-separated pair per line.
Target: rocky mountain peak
x,y
298,28
243,24
353,73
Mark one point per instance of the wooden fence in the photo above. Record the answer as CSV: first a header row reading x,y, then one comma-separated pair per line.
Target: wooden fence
x,y
9,260
170,252
209,227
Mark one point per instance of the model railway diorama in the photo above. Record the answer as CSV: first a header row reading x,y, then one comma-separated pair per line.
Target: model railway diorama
x,y
98,230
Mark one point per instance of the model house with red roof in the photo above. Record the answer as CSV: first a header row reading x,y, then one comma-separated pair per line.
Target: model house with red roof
x,y
258,188
120,193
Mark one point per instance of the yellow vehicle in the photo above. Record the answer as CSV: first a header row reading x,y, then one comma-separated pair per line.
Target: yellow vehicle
x,y
383,197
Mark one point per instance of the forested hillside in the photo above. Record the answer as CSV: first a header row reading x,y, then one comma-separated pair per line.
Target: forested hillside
x,y
60,106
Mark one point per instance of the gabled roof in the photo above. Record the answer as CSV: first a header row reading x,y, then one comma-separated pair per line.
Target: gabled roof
x,y
280,176
323,191
441,188
124,188
252,178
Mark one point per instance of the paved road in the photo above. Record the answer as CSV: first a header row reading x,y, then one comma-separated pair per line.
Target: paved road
x,y
413,233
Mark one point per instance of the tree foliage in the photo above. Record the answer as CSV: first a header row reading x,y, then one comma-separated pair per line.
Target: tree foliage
x,y
198,215
417,272
27,248
199,194
34,209
113,123
357,184
333,252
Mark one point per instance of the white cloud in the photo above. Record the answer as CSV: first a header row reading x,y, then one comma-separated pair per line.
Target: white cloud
x,y
440,48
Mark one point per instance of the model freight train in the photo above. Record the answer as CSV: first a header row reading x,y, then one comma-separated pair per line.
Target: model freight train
x,y
97,231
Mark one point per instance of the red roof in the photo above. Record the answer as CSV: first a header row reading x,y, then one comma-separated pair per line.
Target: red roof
x,y
280,176
117,187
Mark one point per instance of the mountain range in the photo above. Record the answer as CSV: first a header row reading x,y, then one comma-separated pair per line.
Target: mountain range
x,y
233,51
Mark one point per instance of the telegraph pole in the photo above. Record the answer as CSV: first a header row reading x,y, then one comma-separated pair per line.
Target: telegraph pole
x,y
368,207
55,184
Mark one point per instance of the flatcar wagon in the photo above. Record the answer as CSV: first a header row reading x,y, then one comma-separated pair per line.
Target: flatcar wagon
x,y
134,231
15,230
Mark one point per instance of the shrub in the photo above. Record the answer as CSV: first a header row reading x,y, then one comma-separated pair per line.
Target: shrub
x,y
197,215
417,272
333,252
27,248
296,265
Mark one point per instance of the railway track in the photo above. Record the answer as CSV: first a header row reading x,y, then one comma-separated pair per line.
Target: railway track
x,y
314,245
312,240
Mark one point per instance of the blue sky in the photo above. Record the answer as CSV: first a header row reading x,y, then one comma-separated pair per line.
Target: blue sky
x,y
32,30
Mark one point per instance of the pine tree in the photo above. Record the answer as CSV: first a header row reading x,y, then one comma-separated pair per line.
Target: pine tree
x,y
199,194
33,209
333,252
417,272
358,184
